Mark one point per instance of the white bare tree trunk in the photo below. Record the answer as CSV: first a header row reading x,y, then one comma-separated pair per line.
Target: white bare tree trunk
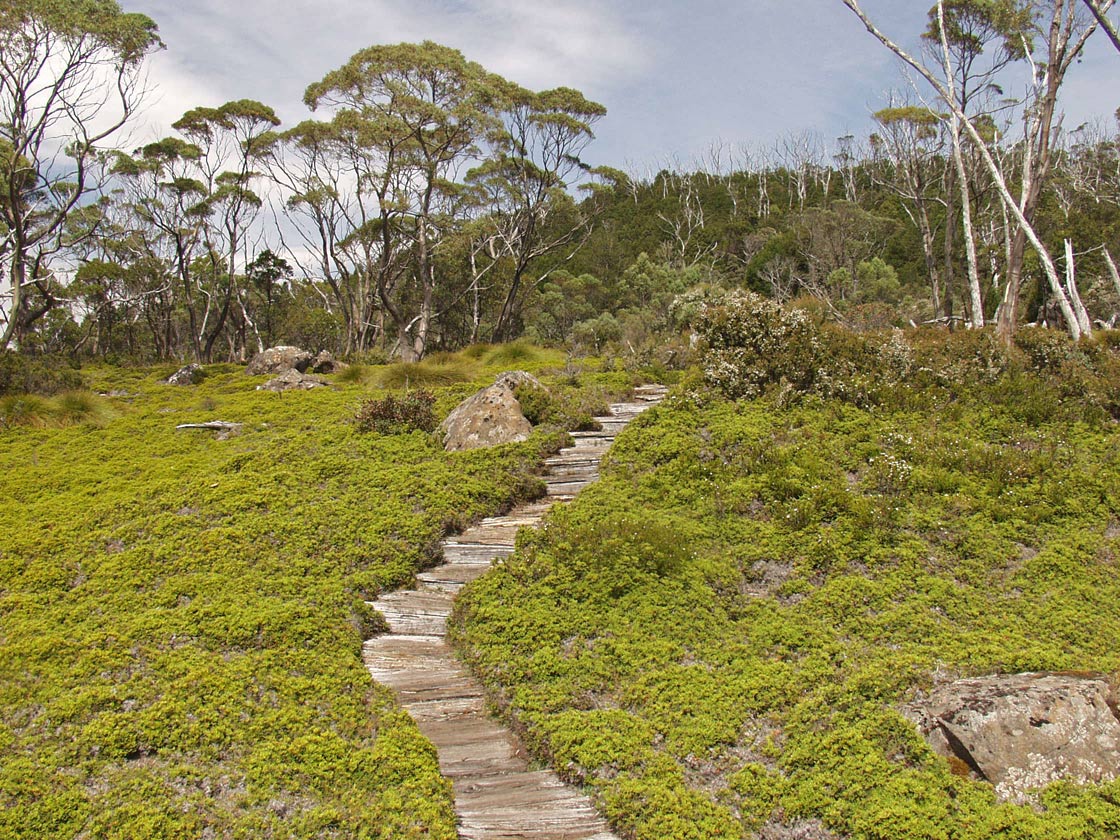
x,y
975,298
1056,288
1075,296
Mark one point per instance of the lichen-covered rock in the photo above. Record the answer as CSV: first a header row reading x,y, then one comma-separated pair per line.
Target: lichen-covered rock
x,y
278,360
1024,731
187,375
292,380
490,417
325,362
514,379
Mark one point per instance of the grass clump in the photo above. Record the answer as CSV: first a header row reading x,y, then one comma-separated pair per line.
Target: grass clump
x,y
353,374
67,409
435,371
517,354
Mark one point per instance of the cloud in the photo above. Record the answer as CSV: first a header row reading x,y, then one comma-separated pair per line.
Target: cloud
x,y
264,50
673,76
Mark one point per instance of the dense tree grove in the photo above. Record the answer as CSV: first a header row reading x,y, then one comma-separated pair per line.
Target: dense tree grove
x,y
428,203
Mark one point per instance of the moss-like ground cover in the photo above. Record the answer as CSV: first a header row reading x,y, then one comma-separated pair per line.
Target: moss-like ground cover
x,y
716,636
181,616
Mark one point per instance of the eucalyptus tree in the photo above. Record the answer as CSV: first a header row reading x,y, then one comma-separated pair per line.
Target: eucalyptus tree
x,y
912,139
185,206
1099,9
327,172
535,152
70,79
231,140
160,208
973,41
266,273
1061,32
420,113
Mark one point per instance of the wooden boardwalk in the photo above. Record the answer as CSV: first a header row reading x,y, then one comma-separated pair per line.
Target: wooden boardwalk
x,y
498,796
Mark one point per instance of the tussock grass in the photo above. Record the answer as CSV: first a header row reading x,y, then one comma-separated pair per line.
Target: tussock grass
x,y
67,409
476,351
355,374
435,371
517,354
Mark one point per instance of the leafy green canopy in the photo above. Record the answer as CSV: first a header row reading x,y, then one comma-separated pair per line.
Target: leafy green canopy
x,y
100,23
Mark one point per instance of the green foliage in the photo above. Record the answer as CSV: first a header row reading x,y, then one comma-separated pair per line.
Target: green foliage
x,y
182,616
752,342
393,415
716,635
22,373
62,410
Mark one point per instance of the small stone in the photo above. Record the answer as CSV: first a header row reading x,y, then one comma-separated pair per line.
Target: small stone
x,y
514,379
326,363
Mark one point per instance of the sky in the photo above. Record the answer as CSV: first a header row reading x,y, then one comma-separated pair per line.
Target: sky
x,y
677,78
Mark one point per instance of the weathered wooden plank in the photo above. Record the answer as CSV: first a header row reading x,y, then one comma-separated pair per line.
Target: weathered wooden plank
x,y
479,552
568,489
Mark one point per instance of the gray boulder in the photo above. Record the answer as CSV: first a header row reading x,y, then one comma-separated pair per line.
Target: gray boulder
x,y
292,380
188,375
326,363
513,379
1024,731
488,418
278,360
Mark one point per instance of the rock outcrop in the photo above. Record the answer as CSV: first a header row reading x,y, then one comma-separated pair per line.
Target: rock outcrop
x,y
326,363
1023,731
292,380
490,417
514,379
278,360
187,375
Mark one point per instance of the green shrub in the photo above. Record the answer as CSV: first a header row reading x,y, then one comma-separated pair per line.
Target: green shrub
x,y
536,403
183,616
25,374
393,415
717,635
752,342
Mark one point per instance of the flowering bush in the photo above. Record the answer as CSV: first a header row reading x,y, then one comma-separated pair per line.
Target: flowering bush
x,y
752,342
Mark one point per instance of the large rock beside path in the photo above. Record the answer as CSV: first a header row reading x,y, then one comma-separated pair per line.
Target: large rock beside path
x,y
1023,731
279,359
490,417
